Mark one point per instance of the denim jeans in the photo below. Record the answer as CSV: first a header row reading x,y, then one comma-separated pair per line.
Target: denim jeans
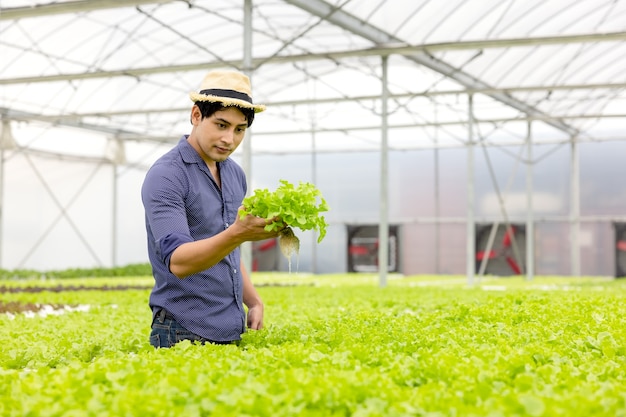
x,y
166,332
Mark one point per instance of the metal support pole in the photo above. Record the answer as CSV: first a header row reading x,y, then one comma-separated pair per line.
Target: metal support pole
x,y
118,157
114,216
383,227
470,238
1,201
313,116
314,179
530,222
437,197
2,193
575,209
6,142
246,247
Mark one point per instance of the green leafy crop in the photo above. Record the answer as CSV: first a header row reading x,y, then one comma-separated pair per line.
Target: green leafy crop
x,y
298,207
334,345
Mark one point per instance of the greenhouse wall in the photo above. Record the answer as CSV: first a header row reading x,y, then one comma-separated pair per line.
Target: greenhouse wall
x,y
59,213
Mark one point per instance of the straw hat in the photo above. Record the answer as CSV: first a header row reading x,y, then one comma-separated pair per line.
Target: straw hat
x,y
231,88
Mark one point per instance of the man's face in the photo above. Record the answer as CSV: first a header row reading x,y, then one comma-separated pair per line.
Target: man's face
x,y
217,136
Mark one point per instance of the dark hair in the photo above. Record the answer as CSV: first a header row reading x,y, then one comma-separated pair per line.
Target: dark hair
x,y
208,108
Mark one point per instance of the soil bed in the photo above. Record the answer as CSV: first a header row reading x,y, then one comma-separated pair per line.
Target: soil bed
x,y
60,288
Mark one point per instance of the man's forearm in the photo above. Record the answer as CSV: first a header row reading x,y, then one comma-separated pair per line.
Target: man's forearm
x,y
192,257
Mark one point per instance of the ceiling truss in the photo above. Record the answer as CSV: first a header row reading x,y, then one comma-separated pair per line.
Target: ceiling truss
x,y
384,44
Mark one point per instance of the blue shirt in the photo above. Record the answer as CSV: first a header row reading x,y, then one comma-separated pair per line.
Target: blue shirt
x,y
182,204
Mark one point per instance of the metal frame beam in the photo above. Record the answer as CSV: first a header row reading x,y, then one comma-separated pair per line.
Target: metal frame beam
x,y
418,53
70,121
352,24
20,115
14,13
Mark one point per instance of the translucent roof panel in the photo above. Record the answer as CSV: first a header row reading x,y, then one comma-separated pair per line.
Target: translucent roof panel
x,y
124,69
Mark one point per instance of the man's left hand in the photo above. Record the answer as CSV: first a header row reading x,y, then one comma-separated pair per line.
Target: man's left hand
x,y
255,318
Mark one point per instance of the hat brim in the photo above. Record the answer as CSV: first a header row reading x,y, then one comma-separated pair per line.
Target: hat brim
x,y
226,101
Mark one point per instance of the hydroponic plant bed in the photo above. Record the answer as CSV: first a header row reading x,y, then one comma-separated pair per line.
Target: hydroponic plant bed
x,y
332,346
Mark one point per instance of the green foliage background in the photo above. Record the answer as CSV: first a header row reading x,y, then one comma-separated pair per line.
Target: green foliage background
x,y
136,270
334,345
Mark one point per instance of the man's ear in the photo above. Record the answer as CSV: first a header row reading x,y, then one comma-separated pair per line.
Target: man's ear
x,y
196,115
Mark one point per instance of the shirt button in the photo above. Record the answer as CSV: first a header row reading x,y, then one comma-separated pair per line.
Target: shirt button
x,y
226,224
234,271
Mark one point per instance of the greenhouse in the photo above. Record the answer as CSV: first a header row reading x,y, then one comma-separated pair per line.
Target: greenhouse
x,y
442,131
467,157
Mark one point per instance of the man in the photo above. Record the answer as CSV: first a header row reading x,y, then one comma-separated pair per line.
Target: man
x,y
191,197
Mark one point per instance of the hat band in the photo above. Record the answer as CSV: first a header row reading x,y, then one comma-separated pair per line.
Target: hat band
x,y
227,93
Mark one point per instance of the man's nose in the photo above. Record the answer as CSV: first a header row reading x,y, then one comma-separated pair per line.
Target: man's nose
x,y
229,135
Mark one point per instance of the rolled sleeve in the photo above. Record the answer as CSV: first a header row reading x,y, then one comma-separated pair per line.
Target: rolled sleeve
x,y
168,244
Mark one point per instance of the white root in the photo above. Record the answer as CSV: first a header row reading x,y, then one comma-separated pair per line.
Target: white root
x,y
289,244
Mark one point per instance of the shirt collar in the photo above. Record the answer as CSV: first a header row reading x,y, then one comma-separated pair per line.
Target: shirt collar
x,y
187,152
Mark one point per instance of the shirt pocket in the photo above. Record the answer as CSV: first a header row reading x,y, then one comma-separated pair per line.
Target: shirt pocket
x,y
232,201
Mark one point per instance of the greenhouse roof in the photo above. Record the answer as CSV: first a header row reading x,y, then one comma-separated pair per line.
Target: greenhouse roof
x,y
124,69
